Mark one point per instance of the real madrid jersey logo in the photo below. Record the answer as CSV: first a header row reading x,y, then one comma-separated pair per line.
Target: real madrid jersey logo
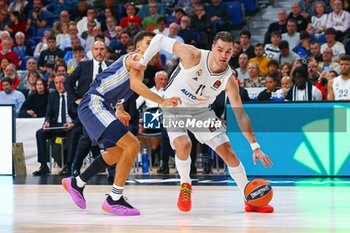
x,y
216,84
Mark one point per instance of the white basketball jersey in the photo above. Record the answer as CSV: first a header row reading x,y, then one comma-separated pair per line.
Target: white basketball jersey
x,y
341,88
197,86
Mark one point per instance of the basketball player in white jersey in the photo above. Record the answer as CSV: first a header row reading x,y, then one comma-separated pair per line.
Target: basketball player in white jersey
x,y
199,78
339,87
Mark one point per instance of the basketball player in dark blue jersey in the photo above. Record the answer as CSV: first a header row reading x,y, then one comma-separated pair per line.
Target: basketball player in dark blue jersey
x,y
102,114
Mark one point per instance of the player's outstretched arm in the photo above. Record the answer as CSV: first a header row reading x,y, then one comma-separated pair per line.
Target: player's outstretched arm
x,y
137,85
244,123
189,54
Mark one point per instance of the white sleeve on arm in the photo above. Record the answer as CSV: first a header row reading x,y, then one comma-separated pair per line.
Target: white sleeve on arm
x,y
158,42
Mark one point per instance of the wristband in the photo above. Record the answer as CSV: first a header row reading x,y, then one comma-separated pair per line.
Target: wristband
x,y
254,146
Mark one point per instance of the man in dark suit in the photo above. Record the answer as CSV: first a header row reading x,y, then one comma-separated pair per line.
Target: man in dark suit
x,y
59,114
85,73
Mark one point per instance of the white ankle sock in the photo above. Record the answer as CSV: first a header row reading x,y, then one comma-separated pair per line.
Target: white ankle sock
x,y
239,175
184,168
80,182
117,192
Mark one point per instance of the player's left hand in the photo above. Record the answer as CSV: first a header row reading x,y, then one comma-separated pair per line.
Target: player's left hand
x,y
260,155
123,116
173,101
135,64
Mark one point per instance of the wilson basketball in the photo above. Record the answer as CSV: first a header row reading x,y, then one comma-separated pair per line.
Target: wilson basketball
x,y
258,192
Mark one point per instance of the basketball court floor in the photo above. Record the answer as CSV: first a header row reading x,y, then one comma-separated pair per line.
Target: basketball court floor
x,y
30,204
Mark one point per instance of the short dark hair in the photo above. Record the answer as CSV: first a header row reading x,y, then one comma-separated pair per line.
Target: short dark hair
x,y
330,31
161,19
276,33
246,33
60,65
274,76
7,79
273,63
51,37
300,70
140,35
283,45
224,36
259,45
345,58
78,48
304,35
292,21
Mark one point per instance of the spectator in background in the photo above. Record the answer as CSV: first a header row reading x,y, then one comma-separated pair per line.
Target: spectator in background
x,y
78,55
272,67
36,103
247,48
286,84
11,72
338,19
57,27
57,6
32,65
87,35
315,49
303,48
4,19
271,86
67,43
77,13
41,46
133,28
235,54
285,55
37,18
272,49
336,46
161,27
307,8
17,24
4,62
312,71
328,64
242,71
254,79
10,96
201,23
111,22
318,23
130,11
292,36
260,59
178,15
279,26
187,33
8,53
63,33
27,86
120,48
90,16
300,20
22,48
286,69
303,90
150,22
5,35
219,16
49,56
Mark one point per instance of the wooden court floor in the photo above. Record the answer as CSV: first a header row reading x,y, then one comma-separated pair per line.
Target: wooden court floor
x,y
48,208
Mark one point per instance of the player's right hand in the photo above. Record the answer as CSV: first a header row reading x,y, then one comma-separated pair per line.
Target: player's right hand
x,y
173,101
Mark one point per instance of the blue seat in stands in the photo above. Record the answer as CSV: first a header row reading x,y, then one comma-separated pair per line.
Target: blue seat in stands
x,y
235,12
40,32
249,6
24,63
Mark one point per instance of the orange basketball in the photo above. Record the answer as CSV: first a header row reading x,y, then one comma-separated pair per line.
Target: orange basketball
x,y
258,192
